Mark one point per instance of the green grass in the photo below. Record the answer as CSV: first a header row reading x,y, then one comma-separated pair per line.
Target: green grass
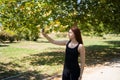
x,y
16,52
41,59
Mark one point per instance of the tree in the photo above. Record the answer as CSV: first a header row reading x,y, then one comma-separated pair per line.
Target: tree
x,y
96,16
27,17
20,17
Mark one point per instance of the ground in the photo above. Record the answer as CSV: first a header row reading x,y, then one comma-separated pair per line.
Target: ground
x,y
109,71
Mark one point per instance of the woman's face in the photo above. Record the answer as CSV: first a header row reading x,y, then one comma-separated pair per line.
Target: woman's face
x,y
71,34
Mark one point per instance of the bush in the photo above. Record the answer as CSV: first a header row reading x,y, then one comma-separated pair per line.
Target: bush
x,y
3,36
8,35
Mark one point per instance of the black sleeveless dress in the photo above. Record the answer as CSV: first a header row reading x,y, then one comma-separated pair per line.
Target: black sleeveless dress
x,y
71,69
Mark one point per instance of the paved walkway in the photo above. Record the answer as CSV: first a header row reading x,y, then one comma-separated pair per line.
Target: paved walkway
x,y
110,72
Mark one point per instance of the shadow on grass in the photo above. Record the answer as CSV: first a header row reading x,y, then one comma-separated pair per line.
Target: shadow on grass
x,y
115,43
4,45
50,58
7,73
46,58
98,54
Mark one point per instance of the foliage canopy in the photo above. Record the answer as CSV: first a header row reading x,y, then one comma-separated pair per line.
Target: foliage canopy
x,y
27,17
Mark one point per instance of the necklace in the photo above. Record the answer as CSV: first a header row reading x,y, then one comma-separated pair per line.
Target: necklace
x,y
72,45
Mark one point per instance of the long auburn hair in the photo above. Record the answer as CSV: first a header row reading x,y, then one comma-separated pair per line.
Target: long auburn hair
x,y
77,34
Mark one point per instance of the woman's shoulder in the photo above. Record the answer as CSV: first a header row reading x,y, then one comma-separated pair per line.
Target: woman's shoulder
x,y
81,46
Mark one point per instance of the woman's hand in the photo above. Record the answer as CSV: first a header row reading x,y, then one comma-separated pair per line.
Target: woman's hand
x,y
43,31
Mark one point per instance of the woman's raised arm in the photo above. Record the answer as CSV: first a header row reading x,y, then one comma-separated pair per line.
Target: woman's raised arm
x,y
63,42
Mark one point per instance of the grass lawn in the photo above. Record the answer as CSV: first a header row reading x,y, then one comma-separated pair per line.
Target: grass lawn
x,y
28,60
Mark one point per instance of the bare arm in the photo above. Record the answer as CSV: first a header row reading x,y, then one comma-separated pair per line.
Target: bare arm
x,y
82,58
64,42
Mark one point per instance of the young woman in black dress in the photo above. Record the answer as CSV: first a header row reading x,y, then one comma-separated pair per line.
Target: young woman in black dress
x,y
74,48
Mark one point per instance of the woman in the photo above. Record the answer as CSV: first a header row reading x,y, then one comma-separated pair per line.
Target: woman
x,y
74,48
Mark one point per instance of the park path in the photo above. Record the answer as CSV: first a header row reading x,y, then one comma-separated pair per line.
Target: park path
x,y
107,71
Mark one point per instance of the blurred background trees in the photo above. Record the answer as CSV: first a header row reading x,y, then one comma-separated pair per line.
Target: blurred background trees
x,y
23,19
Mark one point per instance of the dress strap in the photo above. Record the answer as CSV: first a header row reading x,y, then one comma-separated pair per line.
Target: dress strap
x,y
68,42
